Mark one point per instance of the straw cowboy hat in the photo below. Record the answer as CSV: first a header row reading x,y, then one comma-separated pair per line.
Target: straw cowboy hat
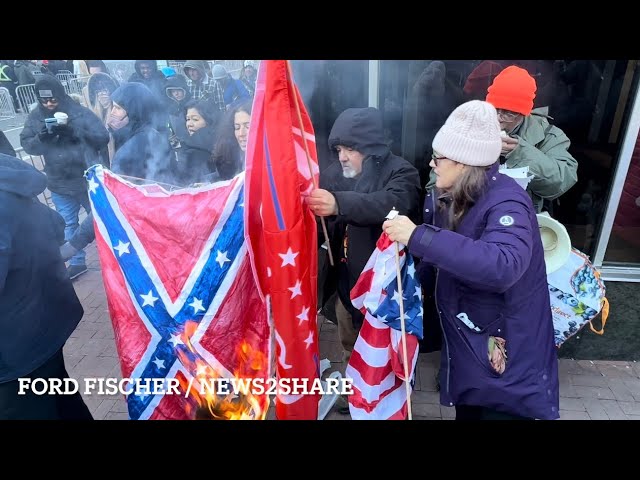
x,y
555,241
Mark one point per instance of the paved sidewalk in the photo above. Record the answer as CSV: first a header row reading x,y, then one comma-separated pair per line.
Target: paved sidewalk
x,y
589,390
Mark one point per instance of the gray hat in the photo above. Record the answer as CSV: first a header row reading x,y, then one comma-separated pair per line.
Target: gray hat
x,y
219,72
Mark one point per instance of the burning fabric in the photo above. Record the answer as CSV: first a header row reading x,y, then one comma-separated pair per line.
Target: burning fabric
x,y
181,293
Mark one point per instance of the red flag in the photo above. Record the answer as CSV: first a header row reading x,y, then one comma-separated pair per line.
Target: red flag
x,y
281,230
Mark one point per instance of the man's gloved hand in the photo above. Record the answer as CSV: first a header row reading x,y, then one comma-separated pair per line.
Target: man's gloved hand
x,y
62,130
67,251
45,135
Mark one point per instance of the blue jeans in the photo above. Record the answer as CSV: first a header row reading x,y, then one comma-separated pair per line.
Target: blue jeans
x,y
68,206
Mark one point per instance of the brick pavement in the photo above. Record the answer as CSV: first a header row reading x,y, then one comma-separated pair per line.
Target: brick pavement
x,y
596,390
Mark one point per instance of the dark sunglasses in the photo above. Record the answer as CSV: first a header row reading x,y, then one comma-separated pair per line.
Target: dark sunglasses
x,y
44,101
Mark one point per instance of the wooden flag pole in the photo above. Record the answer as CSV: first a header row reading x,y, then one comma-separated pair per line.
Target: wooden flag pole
x,y
391,216
306,149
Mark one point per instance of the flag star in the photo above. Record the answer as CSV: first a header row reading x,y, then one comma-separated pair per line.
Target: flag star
x,y
396,297
405,317
304,315
159,363
93,185
288,258
309,340
222,258
383,318
411,270
149,299
296,290
420,314
241,205
197,305
202,370
142,394
176,340
418,292
122,247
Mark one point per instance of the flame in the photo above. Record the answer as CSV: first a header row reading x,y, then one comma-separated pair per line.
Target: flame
x,y
205,403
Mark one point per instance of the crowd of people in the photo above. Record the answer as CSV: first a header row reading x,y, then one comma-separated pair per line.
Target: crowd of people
x,y
473,230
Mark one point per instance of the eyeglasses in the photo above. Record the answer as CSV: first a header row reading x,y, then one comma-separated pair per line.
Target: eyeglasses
x,y
506,115
436,158
44,101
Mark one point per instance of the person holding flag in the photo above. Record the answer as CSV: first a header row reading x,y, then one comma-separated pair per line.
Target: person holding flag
x,y
357,194
481,236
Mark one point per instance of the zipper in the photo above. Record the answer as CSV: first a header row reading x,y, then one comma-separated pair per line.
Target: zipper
x,y
435,297
444,335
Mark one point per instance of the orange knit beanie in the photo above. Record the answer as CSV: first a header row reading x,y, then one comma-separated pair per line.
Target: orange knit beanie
x,y
514,90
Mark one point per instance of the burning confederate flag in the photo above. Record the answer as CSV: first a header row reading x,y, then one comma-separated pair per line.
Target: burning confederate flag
x,y
179,285
281,230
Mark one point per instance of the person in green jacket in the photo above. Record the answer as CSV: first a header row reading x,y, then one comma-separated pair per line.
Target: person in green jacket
x,y
529,139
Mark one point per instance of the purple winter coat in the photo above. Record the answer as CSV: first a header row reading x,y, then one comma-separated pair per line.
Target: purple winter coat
x,y
490,275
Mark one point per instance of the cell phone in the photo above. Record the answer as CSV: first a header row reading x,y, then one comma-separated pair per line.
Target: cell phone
x,y
49,123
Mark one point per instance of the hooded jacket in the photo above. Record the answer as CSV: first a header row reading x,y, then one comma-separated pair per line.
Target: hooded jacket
x,y
66,157
386,182
39,308
155,82
141,151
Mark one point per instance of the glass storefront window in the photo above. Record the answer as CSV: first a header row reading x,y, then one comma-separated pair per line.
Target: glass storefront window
x,y
588,99
624,242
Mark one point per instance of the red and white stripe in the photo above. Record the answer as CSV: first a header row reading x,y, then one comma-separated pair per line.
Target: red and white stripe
x,y
376,364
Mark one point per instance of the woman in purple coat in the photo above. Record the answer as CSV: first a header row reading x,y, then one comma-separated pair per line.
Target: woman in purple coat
x,y
480,245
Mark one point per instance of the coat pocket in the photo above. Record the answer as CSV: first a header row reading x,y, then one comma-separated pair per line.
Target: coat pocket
x,y
484,335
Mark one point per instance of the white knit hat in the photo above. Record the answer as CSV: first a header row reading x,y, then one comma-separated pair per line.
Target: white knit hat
x,y
471,135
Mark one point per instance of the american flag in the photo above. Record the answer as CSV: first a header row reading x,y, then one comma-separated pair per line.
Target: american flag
x,y
281,230
170,259
376,365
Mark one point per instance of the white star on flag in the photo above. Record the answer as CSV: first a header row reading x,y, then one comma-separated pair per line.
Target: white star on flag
x,y
122,247
288,258
405,316
396,297
176,340
309,340
93,185
420,314
222,258
411,270
382,319
296,290
149,299
304,315
197,305
202,370
159,363
418,292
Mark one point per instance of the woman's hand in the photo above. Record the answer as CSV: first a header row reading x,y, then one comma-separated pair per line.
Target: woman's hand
x,y
399,229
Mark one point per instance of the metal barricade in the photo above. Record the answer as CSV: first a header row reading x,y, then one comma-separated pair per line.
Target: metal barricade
x,y
27,98
6,104
38,162
72,84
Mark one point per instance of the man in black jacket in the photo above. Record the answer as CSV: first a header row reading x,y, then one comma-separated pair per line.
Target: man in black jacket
x,y
68,149
39,309
357,194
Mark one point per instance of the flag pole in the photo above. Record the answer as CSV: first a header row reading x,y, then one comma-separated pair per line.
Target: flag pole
x,y
306,149
392,215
